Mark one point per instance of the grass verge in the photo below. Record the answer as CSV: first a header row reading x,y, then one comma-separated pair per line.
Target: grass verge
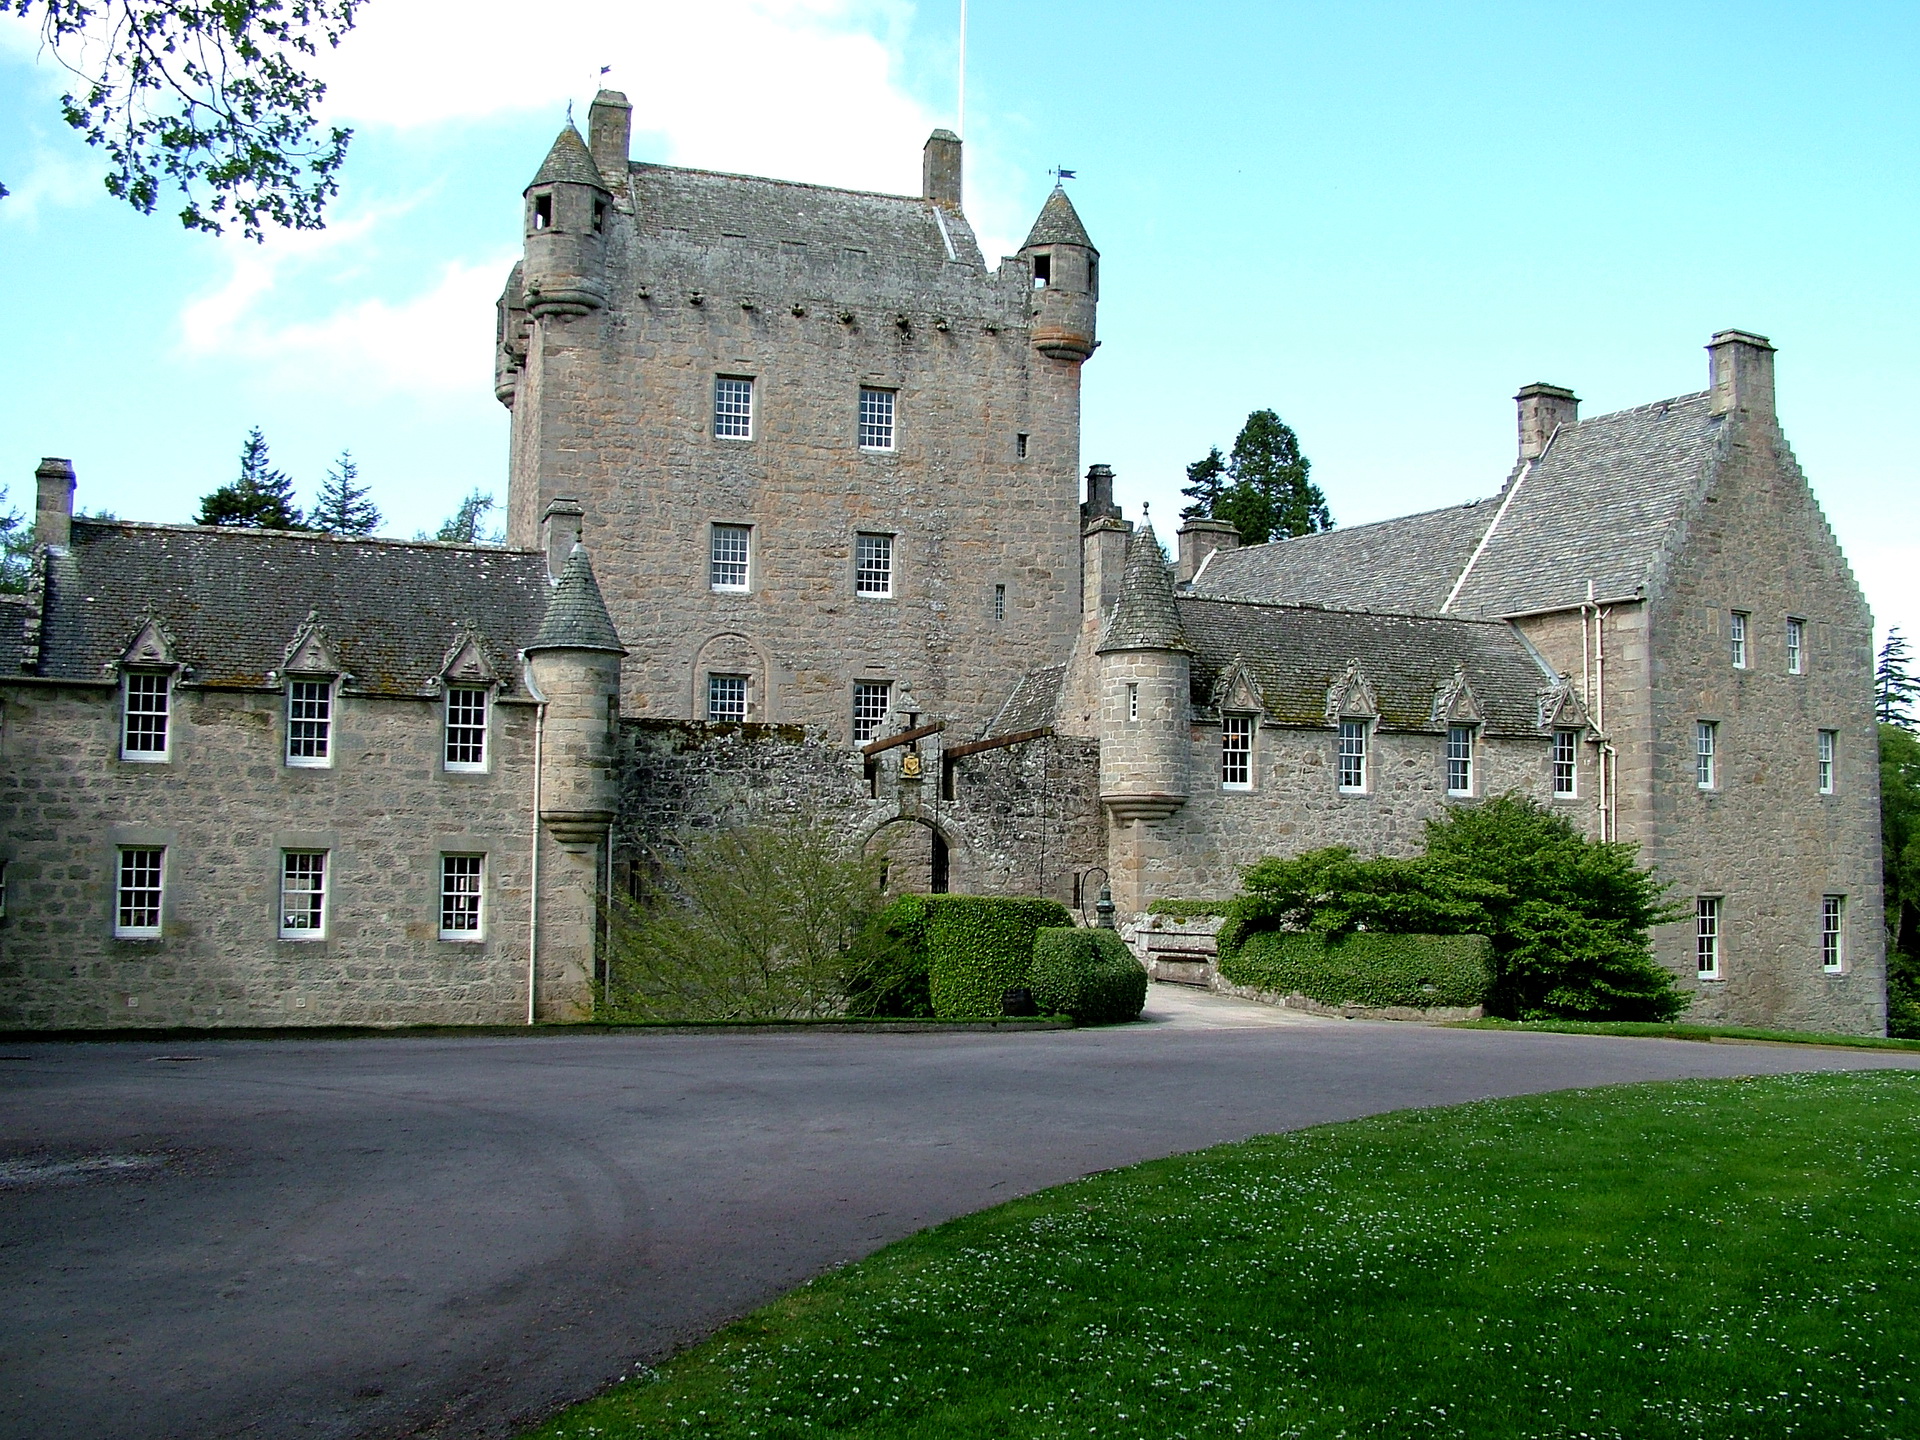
x,y
1666,1030
1702,1258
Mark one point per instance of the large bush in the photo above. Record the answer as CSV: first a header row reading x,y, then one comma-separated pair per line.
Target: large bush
x,y
1088,974
980,946
886,973
1568,916
1423,971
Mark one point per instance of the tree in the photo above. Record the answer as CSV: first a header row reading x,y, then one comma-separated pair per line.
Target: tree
x,y
210,97
1262,490
463,526
1900,863
262,497
1894,688
16,548
343,507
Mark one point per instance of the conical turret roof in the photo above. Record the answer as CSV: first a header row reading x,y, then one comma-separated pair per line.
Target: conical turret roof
x,y
569,162
1145,618
576,617
1059,224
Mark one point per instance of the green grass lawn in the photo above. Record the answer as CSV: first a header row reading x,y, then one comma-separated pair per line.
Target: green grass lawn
x,y
1703,1258
1672,1030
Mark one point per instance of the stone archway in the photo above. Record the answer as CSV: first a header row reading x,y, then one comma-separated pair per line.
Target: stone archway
x,y
917,857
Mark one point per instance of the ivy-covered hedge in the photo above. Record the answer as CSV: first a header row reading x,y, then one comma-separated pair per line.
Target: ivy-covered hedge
x,y
886,968
1423,971
1088,974
979,946
1189,909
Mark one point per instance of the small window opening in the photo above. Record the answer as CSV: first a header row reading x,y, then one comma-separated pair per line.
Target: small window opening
x,y
999,602
1042,271
599,216
949,790
542,211
1020,446
1093,276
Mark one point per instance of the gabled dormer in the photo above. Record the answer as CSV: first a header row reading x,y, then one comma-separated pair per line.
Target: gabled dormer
x,y
1236,690
147,670
1351,696
1454,702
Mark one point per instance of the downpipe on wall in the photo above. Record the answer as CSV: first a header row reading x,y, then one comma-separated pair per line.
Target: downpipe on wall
x,y
533,863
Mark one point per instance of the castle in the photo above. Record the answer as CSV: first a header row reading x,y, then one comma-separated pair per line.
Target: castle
x,y
796,529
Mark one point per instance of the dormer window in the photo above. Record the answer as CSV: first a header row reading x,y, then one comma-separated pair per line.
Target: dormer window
x,y
542,212
310,723
466,727
146,705
1236,752
1042,271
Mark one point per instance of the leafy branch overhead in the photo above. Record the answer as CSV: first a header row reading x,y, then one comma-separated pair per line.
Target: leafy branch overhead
x,y
212,98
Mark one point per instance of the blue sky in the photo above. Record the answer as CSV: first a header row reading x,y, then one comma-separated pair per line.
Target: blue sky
x,y
1378,219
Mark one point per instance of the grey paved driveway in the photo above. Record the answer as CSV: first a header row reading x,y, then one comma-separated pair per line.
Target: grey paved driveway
x,y
451,1237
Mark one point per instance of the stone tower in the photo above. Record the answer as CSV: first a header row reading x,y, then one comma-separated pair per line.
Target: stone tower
x,y
826,453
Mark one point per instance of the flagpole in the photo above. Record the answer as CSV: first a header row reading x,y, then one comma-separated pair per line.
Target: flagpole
x,y
960,120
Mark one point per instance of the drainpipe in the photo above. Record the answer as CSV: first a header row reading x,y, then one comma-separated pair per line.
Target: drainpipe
x,y
533,863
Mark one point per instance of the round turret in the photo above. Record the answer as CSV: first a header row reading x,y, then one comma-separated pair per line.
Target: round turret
x,y
1145,699
574,663
568,211
1066,281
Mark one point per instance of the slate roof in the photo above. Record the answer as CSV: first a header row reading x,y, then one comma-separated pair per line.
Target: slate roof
x,y
1144,618
569,160
232,599
1296,653
705,206
1059,223
1601,505
1034,703
576,617
14,610
1405,565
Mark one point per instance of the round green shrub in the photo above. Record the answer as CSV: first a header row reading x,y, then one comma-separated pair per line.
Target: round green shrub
x,y
980,946
1088,974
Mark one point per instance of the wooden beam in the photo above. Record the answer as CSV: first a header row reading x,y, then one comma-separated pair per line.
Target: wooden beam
x,y
905,737
974,747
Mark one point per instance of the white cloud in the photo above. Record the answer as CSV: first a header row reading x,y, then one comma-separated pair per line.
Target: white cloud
x,y
54,182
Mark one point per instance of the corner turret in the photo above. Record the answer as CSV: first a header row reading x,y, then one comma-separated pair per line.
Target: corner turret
x,y
1145,694
569,208
1066,281
574,663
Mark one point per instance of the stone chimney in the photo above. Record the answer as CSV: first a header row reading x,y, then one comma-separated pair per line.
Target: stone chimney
x,y
609,136
1099,502
1543,410
53,509
1199,539
1740,373
940,169
560,531
1103,549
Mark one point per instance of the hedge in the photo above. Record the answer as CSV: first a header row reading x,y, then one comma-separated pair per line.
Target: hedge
x,y
1088,974
1189,909
1366,968
979,946
887,966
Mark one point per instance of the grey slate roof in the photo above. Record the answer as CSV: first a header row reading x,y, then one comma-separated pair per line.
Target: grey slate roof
x,y
1144,618
569,160
1059,223
576,617
1405,565
232,600
706,206
1034,703
14,610
1601,505
1295,653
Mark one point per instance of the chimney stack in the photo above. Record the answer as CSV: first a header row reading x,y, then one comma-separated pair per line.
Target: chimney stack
x,y
1543,410
560,531
940,169
1099,502
1740,373
53,507
1199,539
609,136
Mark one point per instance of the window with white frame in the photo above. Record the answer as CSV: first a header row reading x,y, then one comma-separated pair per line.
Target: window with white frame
x,y
140,891
146,705
871,701
310,722
1706,763
1833,957
1133,700
1796,639
1706,936
873,566
1459,760
727,698
729,553
303,894
1236,752
733,407
1566,768
1829,740
1739,636
1353,756
462,892
876,419
466,727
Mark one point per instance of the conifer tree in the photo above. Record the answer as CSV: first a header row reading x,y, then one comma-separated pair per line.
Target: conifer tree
x,y
463,527
1206,480
1262,490
1894,688
343,506
262,497
16,548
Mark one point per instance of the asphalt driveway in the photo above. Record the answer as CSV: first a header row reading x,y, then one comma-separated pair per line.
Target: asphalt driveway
x,y
389,1237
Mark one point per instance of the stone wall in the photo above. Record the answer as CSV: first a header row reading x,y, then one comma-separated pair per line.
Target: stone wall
x,y
224,807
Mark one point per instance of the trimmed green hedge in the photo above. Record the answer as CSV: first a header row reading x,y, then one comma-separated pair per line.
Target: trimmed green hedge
x,y
978,946
1366,968
1189,909
1088,974
886,972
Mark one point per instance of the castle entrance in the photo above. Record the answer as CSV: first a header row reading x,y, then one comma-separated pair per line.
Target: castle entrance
x,y
916,857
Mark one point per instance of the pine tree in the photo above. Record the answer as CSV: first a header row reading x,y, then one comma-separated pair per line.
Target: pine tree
x,y
1271,497
1894,688
463,527
1206,479
343,507
262,497
16,548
